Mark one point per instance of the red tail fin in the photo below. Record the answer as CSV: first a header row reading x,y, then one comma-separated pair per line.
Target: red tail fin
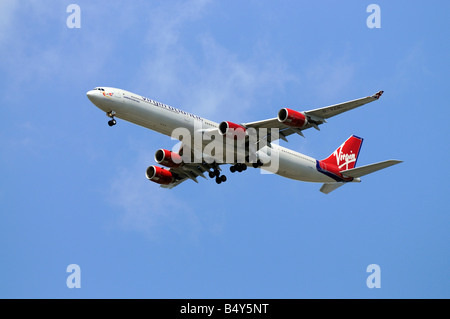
x,y
346,155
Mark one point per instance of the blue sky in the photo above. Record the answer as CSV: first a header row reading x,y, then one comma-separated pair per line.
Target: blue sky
x,y
73,190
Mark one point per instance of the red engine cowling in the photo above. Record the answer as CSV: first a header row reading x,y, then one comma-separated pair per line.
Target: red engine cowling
x,y
168,158
292,118
159,175
232,130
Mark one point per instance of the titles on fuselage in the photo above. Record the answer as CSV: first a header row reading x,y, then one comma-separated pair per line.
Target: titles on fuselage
x,y
170,108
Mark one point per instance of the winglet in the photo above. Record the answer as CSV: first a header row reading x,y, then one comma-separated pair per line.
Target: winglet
x,y
376,96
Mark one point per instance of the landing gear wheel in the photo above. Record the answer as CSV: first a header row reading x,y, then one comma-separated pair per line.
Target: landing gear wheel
x,y
221,179
258,164
211,174
111,114
239,167
216,172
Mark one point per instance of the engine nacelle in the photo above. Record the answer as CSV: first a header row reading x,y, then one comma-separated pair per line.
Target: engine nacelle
x,y
159,175
168,158
292,118
232,130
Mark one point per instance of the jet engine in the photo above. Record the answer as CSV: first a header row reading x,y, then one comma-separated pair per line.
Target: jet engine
x,y
292,118
232,130
168,158
159,175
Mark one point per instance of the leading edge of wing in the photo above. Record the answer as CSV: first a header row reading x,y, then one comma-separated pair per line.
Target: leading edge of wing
x,y
318,115
190,171
333,110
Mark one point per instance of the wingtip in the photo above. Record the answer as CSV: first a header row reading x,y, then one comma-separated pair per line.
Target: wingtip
x,y
377,95
394,162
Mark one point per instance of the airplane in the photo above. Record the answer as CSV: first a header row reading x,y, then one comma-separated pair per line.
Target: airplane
x,y
200,153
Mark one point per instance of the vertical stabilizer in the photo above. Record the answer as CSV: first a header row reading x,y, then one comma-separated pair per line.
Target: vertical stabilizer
x,y
346,155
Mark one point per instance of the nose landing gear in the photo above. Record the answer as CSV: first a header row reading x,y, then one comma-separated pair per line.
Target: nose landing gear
x,y
111,114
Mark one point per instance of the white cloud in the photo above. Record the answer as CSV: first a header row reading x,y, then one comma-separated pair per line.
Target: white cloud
x,y
198,72
329,75
227,85
38,47
7,11
410,67
205,78
147,208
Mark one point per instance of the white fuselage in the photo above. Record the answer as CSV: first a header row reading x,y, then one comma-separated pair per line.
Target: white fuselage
x,y
165,119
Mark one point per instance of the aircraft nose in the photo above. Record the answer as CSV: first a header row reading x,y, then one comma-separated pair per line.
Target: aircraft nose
x,y
90,94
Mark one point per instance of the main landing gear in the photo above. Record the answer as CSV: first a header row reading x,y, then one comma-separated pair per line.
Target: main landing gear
x,y
257,164
239,167
216,174
111,114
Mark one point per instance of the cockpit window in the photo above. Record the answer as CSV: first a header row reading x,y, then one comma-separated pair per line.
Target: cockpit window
x,y
100,89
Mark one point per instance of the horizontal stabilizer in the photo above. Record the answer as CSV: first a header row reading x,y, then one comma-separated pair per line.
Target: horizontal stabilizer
x,y
367,169
329,187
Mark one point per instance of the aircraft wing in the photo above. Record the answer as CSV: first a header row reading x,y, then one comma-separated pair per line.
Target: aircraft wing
x,y
190,170
315,117
175,183
333,110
